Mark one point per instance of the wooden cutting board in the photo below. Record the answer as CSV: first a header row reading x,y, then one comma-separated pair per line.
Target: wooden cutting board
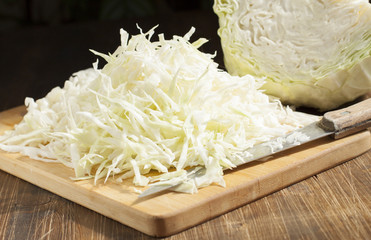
x,y
169,213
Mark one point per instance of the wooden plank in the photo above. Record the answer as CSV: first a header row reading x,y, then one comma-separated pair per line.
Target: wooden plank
x,y
334,204
169,213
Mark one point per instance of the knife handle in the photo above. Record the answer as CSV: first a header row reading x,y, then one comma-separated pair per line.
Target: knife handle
x,y
349,120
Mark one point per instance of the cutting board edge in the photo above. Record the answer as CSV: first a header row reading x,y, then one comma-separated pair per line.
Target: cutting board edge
x,y
161,224
80,195
165,223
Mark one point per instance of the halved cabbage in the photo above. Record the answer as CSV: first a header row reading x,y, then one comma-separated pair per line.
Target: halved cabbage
x,y
314,53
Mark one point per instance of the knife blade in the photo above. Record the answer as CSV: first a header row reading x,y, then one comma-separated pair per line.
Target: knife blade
x,y
339,123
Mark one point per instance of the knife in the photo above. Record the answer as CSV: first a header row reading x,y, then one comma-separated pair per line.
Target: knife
x,y
339,123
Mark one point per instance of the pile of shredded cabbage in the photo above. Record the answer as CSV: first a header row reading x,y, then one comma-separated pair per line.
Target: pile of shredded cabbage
x,y
161,106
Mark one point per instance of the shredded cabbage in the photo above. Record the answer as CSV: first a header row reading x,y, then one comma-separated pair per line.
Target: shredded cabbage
x,y
313,53
157,106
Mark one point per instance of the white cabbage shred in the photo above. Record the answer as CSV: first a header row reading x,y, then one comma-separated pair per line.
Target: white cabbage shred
x,y
157,106
314,53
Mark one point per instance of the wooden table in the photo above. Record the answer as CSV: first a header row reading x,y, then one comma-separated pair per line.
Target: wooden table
x,y
331,205
334,204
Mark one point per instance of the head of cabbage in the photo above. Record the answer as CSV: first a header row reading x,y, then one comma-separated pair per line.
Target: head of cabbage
x,y
314,53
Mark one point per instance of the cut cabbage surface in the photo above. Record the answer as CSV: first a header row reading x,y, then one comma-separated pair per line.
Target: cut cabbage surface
x,y
159,106
314,53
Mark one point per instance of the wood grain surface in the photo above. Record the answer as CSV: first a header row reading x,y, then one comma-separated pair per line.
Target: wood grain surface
x,y
169,213
334,204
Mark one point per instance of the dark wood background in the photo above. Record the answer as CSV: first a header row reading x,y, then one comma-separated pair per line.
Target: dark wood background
x,y
37,56
34,58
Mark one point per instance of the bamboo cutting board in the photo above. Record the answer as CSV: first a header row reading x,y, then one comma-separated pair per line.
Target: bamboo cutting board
x,y
169,213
